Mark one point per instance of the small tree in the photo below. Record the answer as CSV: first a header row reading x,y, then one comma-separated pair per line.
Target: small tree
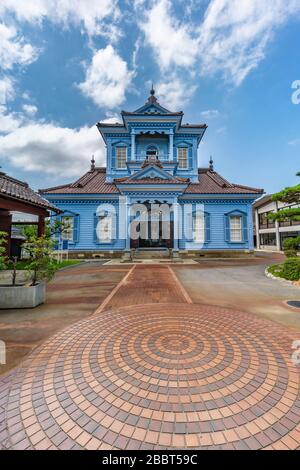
x,y
289,196
41,266
3,258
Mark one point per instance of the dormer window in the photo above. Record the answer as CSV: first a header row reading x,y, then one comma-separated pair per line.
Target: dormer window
x,y
182,157
121,157
152,153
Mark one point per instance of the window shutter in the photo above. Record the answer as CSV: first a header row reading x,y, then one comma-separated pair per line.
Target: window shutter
x,y
245,228
227,228
76,229
190,157
207,227
114,226
96,220
113,156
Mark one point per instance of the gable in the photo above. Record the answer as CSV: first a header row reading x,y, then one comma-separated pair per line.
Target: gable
x,y
151,171
152,108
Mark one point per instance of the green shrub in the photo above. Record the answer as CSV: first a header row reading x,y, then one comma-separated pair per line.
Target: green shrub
x,y
3,258
290,253
291,247
291,269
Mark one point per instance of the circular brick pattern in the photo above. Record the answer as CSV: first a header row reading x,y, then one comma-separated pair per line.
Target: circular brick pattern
x,y
159,376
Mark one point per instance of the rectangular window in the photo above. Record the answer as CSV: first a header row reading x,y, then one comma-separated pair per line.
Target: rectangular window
x,y
199,227
104,229
268,239
182,157
68,228
264,221
121,157
236,228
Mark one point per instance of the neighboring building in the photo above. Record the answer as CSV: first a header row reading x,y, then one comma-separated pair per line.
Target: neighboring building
x,y
153,158
17,197
269,235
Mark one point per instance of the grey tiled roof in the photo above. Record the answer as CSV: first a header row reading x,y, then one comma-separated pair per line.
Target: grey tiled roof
x,y
18,190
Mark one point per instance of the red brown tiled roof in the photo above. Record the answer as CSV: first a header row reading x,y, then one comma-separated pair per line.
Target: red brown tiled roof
x,y
93,182
12,188
210,182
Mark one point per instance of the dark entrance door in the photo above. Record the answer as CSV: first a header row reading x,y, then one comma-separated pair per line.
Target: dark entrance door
x,y
160,232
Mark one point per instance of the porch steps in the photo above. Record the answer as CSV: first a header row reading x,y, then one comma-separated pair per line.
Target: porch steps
x,y
151,254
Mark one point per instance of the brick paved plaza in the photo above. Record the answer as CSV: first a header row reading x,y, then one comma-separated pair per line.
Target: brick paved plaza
x,y
150,369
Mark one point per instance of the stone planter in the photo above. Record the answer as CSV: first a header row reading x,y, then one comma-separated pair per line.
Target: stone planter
x,y
22,296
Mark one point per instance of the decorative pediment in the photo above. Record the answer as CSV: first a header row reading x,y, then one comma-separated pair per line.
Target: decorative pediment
x,y
152,171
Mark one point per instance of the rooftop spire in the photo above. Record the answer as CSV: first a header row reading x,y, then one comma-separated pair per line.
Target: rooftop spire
x,y
211,164
152,98
92,163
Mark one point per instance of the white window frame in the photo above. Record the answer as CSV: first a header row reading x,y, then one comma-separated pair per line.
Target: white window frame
x,y
105,229
236,228
121,157
68,232
198,227
183,157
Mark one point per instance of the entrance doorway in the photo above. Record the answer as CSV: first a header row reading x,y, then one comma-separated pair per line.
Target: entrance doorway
x,y
156,228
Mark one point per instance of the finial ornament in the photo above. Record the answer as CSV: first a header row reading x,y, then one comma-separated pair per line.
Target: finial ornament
x,y
93,163
211,164
152,91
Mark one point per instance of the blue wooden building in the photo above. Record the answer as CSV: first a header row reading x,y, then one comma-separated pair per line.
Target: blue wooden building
x,y
152,166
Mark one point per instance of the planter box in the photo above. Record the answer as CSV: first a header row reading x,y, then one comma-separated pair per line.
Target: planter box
x,y
21,296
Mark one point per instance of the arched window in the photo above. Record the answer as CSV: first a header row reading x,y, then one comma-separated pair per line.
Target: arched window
x,y
152,153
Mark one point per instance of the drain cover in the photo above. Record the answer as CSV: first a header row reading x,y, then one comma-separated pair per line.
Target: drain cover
x,y
294,303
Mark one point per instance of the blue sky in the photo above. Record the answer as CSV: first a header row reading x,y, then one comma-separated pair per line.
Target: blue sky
x,y
66,64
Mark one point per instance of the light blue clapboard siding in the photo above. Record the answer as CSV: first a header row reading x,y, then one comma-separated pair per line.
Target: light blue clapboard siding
x,y
86,213
217,214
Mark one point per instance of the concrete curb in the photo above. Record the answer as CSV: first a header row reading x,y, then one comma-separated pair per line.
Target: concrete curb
x,y
280,279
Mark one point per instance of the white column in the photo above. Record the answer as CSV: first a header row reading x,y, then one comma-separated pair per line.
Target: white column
x,y
257,229
278,247
132,145
171,143
176,214
127,247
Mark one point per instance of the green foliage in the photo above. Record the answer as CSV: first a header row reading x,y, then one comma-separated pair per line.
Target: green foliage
x,y
291,269
286,214
291,246
289,196
41,266
3,258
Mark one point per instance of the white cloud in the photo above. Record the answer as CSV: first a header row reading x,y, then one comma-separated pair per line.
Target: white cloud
x,y
175,93
170,40
30,109
107,78
7,90
210,113
231,38
14,49
90,14
234,34
8,121
52,149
